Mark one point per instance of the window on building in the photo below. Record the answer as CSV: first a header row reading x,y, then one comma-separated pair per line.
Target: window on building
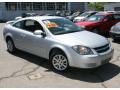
x,y
50,6
117,8
18,6
61,6
37,6
11,6
26,6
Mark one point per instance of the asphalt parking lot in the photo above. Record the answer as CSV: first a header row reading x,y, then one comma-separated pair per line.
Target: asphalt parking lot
x,y
26,70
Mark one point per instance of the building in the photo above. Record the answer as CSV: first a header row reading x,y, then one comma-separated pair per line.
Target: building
x,y
112,6
10,10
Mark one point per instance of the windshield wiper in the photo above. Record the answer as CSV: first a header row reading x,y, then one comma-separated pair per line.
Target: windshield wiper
x,y
66,32
72,31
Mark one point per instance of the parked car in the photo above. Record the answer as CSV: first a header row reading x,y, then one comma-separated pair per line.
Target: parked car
x,y
50,37
83,16
100,22
23,15
115,31
58,13
48,14
75,14
28,14
62,13
19,17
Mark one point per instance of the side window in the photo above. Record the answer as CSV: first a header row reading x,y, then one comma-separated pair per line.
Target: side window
x,y
110,18
117,17
29,23
32,25
18,25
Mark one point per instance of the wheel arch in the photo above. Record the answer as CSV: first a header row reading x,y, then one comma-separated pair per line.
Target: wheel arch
x,y
8,36
56,49
61,49
51,55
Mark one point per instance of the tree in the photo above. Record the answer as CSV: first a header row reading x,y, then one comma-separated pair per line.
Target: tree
x,y
98,6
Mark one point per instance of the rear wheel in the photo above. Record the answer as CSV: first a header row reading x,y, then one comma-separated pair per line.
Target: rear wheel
x,y
59,61
10,46
116,39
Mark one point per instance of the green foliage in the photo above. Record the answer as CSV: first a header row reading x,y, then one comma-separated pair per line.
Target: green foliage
x,y
98,6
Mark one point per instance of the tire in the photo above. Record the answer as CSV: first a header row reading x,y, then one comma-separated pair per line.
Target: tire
x,y
59,61
114,39
10,46
96,30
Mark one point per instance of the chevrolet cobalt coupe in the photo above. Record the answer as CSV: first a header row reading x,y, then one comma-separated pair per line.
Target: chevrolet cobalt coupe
x,y
58,40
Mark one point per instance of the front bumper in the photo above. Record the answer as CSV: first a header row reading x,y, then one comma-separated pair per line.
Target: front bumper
x,y
115,35
91,61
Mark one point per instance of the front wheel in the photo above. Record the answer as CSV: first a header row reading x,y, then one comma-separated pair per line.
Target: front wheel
x,y
59,62
10,46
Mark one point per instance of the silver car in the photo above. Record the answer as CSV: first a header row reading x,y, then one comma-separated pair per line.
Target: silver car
x,y
115,32
58,40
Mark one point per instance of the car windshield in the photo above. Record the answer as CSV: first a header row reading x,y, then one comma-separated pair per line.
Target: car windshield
x,y
76,14
61,26
95,18
84,14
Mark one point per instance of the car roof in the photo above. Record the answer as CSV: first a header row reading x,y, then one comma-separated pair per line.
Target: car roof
x,y
40,18
105,13
91,11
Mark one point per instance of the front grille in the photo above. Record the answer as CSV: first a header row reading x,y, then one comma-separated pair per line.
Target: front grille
x,y
102,49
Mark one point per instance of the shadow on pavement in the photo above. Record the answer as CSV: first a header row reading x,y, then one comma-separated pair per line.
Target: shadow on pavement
x,y
97,75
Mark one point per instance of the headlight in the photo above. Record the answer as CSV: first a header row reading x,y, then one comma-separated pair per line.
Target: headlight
x,y
82,50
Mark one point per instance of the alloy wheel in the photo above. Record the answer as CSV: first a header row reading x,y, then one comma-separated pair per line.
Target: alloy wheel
x,y
60,62
10,46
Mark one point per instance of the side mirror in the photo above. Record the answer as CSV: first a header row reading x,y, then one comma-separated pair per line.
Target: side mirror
x,y
105,20
39,32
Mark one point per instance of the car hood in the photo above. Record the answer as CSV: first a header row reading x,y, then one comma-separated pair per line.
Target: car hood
x,y
79,17
84,38
85,23
69,17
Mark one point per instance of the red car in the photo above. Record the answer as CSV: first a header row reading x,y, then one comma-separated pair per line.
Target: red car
x,y
100,23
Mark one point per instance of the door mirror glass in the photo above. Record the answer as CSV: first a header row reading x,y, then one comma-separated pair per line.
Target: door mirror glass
x,y
105,20
38,32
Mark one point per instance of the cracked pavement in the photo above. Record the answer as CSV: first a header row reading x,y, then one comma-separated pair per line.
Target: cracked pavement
x,y
15,69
